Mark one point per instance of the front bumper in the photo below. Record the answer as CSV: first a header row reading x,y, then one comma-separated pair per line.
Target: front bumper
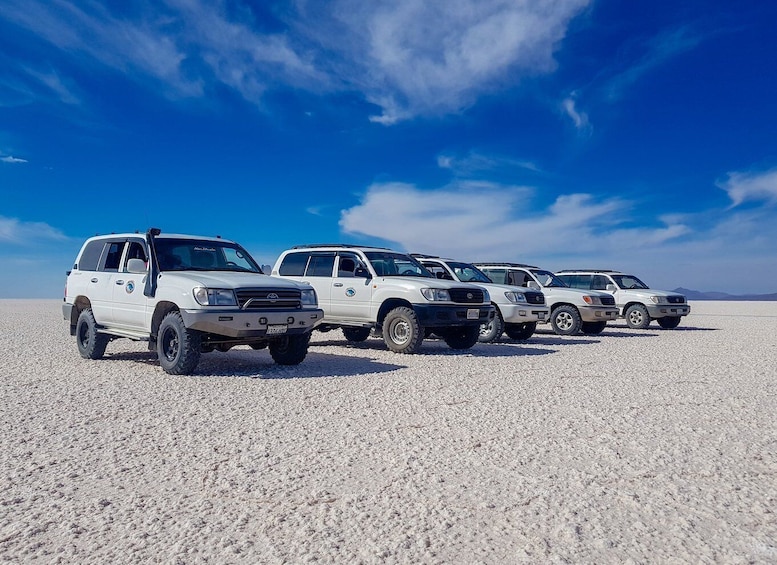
x,y
446,315
598,313
242,324
522,313
667,310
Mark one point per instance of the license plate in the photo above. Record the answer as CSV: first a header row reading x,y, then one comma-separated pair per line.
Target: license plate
x,y
473,314
277,329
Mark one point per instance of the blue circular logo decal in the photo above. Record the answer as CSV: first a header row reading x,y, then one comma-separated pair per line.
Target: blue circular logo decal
x,y
350,292
129,287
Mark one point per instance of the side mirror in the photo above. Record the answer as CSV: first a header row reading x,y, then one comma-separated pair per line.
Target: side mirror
x,y
266,269
611,288
136,266
362,272
533,285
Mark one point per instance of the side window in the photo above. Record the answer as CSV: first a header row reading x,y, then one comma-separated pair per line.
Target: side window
x,y
516,278
346,265
581,281
320,265
498,276
437,270
136,250
293,265
600,282
90,257
113,256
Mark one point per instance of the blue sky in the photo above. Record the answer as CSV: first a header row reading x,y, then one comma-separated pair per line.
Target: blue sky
x,y
639,136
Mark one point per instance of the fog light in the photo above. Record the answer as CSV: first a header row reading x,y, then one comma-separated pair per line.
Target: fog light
x,y
521,312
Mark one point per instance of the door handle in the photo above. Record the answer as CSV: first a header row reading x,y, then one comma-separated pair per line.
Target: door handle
x,y
93,280
338,284
120,282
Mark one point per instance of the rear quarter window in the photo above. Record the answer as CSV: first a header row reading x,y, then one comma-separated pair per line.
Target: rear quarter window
x,y
90,256
293,265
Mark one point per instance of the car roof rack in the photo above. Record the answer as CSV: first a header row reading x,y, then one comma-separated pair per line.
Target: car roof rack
x,y
588,271
424,256
503,264
337,245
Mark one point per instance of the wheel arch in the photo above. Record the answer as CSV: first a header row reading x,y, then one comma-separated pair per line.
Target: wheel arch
x,y
160,311
558,305
389,305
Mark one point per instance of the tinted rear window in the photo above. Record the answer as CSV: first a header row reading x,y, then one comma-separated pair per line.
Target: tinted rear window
x,y
90,257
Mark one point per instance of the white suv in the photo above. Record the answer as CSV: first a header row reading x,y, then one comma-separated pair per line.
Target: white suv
x,y
571,310
517,309
184,295
365,288
637,302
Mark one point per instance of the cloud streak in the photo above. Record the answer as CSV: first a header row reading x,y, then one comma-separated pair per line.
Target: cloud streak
x,y
742,187
408,58
14,231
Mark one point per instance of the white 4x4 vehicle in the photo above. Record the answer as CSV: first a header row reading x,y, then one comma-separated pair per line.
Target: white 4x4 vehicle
x,y
637,302
184,295
571,310
517,309
365,288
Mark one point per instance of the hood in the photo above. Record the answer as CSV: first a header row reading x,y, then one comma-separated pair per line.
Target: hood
x,y
232,280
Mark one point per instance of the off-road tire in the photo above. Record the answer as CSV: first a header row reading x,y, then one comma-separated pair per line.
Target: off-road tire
x,y
290,349
462,337
521,331
492,331
637,317
669,322
177,347
593,328
565,320
356,334
402,331
91,344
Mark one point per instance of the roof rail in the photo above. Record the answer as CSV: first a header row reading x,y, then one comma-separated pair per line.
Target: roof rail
x,y
590,271
338,245
503,264
424,256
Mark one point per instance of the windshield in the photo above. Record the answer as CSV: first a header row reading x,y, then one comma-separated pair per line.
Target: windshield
x,y
466,272
548,279
202,255
629,281
389,264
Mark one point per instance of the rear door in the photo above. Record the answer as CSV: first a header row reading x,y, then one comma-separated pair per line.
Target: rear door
x,y
101,282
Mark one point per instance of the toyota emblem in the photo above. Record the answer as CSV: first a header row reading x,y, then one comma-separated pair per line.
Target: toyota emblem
x,y
469,295
272,297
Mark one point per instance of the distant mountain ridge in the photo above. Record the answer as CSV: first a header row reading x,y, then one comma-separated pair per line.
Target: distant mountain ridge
x,y
698,295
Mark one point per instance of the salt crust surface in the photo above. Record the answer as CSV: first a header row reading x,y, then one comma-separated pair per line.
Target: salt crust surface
x,y
631,446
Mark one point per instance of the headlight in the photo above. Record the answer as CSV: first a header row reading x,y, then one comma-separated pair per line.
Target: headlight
x,y
436,294
486,296
308,298
592,300
516,297
658,299
214,296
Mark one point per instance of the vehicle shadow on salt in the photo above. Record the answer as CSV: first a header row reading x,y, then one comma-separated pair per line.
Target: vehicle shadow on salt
x,y
433,346
260,365
653,330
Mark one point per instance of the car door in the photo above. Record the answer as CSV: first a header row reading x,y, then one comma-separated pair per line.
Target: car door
x,y
351,291
102,281
130,305
318,272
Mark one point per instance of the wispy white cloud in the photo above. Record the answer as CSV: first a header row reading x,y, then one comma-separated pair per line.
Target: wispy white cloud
x,y
655,52
580,119
12,159
409,58
474,162
753,186
13,230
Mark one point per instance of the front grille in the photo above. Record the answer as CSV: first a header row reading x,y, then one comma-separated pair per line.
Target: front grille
x,y
608,300
534,297
268,299
466,295
675,299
